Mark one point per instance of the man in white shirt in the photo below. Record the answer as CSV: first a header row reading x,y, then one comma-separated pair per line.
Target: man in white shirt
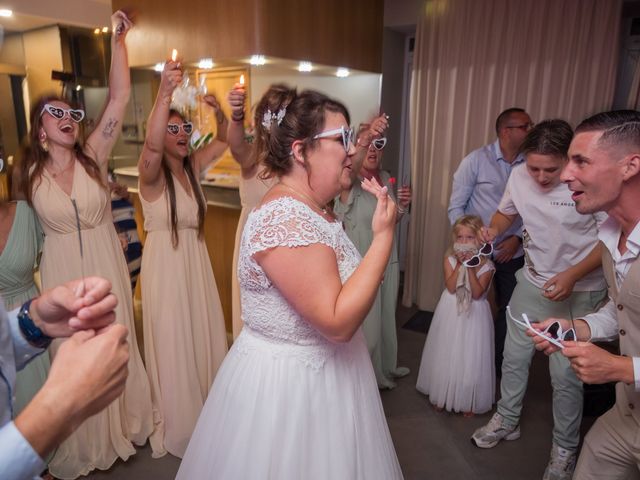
x,y
561,277
88,373
604,175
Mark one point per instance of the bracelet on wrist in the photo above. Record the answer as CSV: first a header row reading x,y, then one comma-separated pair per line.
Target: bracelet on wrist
x,y
237,118
31,333
401,210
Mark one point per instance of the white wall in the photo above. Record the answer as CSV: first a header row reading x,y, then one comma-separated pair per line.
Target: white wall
x,y
359,92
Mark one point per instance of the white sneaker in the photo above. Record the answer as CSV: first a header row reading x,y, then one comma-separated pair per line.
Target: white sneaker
x,y
494,431
562,463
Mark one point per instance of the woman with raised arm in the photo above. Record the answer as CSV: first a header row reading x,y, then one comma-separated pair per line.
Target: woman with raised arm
x,y
296,396
184,335
66,182
250,157
355,207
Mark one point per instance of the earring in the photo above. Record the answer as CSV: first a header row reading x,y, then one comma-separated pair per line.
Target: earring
x,y
43,143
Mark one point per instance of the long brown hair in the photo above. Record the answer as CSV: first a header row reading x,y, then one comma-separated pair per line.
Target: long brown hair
x,y
34,156
195,188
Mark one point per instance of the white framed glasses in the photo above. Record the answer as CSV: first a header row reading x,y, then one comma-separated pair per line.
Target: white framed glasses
x,y
348,136
485,250
59,113
379,143
553,333
174,128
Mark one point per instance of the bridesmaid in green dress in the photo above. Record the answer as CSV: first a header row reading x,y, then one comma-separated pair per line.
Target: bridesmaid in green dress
x,y
20,245
355,208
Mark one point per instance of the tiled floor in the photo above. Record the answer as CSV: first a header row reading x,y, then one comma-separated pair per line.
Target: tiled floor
x,y
430,445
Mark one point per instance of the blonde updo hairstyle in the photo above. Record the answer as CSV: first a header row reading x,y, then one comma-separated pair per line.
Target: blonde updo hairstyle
x,y
304,118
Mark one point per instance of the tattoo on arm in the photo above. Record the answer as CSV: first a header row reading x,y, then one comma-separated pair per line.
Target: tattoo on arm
x,y
147,163
109,128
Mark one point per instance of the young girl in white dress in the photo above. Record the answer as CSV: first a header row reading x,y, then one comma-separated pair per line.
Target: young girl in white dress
x,y
456,369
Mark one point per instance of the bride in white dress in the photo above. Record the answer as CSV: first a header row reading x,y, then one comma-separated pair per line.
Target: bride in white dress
x,y
296,396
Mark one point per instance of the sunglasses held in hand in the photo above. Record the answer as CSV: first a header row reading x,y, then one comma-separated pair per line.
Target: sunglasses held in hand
x,y
553,333
484,251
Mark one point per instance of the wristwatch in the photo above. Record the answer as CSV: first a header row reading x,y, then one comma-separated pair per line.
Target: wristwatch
x,y
32,334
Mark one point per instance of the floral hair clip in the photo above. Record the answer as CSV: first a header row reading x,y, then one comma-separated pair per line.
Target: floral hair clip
x,y
269,117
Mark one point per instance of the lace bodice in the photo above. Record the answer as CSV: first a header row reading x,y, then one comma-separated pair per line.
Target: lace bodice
x,y
289,223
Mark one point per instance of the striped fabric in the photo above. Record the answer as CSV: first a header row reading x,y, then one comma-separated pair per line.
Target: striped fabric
x,y
125,223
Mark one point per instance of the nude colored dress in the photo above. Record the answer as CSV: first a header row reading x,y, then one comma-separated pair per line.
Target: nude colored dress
x,y
184,335
18,261
110,434
251,192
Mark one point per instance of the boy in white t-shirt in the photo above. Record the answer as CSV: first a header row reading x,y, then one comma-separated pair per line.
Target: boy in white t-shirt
x,y
562,277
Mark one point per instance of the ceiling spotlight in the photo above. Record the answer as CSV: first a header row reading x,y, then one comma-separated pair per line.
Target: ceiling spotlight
x,y
205,63
105,29
305,67
342,72
96,31
78,88
158,67
5,12
258,60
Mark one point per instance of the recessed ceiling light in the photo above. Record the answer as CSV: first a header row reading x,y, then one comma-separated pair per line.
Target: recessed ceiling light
x,y
158,67
342,72
5,12
96,31
305,67
205,63
105,29
258,60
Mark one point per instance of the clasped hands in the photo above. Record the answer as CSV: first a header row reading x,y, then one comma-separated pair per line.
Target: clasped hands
x,y
90,369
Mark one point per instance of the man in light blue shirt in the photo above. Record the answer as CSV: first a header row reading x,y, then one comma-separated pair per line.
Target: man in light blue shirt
x,y
478,185
88,373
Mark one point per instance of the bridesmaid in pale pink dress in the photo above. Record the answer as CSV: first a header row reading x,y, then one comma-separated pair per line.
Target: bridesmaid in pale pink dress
x,y
184,336
66,182
250,156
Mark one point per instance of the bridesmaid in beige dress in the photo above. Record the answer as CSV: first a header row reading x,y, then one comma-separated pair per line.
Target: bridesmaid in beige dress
x,y
184,335
250,156
66,183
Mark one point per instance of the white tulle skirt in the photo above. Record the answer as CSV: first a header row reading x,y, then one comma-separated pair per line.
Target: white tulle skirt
x,y
284,411
457,366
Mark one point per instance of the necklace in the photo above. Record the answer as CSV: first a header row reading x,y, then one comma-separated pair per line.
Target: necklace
x,y
56,174
307,197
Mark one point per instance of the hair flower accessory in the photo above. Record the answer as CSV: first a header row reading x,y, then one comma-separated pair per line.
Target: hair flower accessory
x,y
269,117
184,97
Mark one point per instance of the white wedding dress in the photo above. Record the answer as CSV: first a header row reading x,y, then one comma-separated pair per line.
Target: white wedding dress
x,y
287,403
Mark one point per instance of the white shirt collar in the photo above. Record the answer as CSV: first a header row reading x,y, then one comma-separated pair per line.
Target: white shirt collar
x,y
610,232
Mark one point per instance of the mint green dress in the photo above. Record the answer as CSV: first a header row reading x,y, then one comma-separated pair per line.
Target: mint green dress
x,y
379,326
18,262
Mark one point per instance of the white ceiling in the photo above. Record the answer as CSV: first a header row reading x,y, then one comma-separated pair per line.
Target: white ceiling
x,y
30,14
